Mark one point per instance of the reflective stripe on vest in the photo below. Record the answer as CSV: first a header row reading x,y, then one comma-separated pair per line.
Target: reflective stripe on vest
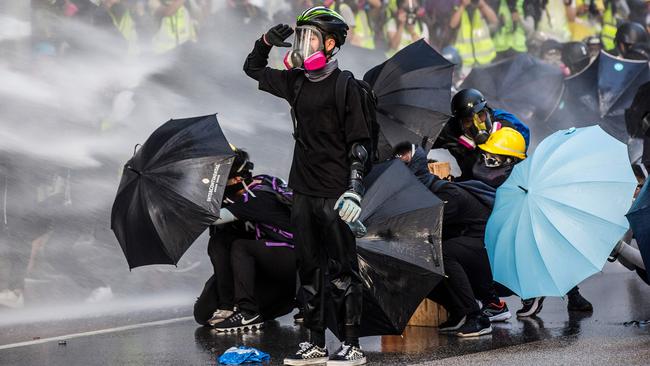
x,y
510,35
175,30
126,26
609,29
473,42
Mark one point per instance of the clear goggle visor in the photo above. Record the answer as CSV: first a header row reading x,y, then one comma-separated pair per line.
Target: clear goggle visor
x,y
308,40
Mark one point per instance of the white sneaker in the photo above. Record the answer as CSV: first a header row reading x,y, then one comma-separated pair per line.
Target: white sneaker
x,y
12,299
219,316
100,294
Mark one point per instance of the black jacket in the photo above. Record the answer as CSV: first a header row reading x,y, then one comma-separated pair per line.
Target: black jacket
x,y
321,166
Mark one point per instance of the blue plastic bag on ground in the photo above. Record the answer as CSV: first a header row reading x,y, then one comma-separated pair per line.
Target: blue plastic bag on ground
x,y
242,354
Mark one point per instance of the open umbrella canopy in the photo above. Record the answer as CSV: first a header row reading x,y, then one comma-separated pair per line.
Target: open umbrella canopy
x,y
413,91
522,85
600,95
400,260
560,213
639,218
171,190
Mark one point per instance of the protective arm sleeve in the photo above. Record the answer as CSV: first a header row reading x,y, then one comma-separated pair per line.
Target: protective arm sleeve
x,y
358,162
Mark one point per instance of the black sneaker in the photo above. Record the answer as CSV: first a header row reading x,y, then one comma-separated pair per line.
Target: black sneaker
x,y
452,324
496,312
347,355
579,303
240,321
475,326
308,354
530,307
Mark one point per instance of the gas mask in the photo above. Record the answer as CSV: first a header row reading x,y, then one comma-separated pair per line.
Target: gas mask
x,y
479,130
308,50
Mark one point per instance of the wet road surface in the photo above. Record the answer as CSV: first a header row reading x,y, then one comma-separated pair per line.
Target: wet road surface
x,y
555,337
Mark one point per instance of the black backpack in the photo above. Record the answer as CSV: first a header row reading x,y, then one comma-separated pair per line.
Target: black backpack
x,y
368,104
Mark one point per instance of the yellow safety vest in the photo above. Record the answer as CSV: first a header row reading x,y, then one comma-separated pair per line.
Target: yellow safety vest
x,y
405,40
126,26
473,42
363,31
174,30
609,29
510,36
554,23
585,25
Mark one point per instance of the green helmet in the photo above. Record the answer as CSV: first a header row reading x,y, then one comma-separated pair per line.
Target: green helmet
x,y
327,21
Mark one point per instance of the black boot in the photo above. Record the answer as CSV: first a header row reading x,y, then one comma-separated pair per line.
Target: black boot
x,y
577,302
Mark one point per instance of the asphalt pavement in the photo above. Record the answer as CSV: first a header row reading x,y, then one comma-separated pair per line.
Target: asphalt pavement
x,y
170,337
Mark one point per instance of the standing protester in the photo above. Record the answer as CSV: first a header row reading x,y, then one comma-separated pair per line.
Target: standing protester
x,y
474,20
252,252
331,156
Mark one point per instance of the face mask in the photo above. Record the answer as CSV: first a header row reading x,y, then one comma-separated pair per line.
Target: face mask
x,y
308,50
231,190
493,177
479,129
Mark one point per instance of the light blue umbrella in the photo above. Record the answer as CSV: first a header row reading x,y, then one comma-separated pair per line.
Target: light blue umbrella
x,y
560,213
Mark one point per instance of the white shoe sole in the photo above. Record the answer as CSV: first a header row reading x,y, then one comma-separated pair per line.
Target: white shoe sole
x,y
535,309
242,328
361,361
481,332
501,317
312,361
454,328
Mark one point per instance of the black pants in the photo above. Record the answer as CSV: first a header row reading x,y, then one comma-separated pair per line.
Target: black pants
x,y
327,263
262,279
469,276
262,271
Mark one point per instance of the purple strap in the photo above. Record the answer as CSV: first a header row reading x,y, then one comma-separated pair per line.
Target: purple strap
x,y
278,244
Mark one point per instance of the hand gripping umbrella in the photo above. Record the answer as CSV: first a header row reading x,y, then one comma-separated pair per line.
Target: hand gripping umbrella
x,y
522,85
171,190
560,213
600,95
413,91
400,260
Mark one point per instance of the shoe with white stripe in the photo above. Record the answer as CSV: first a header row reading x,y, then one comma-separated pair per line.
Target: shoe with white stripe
x,y
240,321
347,355
308,354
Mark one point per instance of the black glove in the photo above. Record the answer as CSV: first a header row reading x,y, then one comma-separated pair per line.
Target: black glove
x,y
276,36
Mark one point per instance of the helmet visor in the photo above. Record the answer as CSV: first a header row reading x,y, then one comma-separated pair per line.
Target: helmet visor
x,y
308,40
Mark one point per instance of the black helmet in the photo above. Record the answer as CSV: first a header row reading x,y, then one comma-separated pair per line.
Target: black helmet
x,y
467,102
327,20
452,55
638,51
630,33
575,56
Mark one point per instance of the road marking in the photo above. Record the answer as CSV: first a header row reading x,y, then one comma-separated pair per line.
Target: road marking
x,y
94,332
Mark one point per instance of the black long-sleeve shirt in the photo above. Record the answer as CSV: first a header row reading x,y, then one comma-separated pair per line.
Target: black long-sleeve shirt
x,y
321,166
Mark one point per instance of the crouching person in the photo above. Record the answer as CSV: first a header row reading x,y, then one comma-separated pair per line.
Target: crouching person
x,y
252,252
465,259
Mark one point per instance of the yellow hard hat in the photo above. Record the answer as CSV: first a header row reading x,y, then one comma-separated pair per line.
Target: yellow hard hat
x,y
505,141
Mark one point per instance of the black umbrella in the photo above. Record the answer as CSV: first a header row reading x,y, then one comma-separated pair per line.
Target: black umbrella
x,y
413,92
522,85
400,260
637,117
171,190
639,218
600,94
